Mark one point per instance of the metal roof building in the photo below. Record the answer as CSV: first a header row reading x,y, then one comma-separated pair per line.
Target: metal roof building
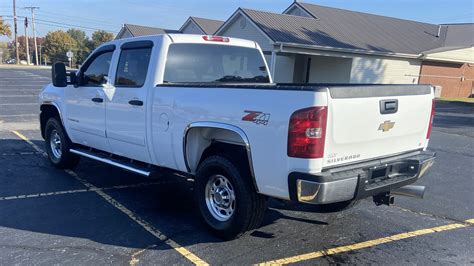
x,y
312,43
461,34
131,30
195,25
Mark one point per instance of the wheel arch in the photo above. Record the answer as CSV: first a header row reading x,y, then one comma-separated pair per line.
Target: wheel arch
x,y
48,110
199,137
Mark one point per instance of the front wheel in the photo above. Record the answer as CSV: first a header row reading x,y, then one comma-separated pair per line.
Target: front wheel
x,y
58,144
227,199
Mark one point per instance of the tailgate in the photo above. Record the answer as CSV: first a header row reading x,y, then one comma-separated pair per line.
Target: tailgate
x,y
376,121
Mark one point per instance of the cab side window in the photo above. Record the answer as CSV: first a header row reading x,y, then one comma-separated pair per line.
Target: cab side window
x,y
133,67
98,70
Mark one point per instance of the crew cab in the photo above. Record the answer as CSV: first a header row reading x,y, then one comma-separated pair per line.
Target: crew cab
x,y
206,106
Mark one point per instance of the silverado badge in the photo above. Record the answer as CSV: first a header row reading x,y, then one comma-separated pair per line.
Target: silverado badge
x,y
256,117
386,126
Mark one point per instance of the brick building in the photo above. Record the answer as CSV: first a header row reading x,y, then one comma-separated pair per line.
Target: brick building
x,y
452,67
455,79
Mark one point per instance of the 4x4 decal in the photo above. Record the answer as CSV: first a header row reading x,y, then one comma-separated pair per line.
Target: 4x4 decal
x,y
256,117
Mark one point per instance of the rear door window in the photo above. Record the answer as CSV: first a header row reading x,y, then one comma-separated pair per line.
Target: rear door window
x,y
210,63
133,67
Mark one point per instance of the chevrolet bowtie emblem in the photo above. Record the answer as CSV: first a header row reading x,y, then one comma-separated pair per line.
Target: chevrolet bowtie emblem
x,y
386,126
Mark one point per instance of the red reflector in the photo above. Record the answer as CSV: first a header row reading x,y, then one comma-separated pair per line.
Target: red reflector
x,y
211,38
307,133
432,116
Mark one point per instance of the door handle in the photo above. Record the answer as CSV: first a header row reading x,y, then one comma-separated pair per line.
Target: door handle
x,y
388,106
98,100
136,102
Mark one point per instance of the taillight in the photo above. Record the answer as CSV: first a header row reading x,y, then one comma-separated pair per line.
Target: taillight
x,y
211,38
433,112
307,133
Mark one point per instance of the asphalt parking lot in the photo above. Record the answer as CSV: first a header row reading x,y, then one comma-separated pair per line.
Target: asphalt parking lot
x,y
98,214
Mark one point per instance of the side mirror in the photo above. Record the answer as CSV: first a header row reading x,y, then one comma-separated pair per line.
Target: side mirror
x,y
59,75
105,80
73,78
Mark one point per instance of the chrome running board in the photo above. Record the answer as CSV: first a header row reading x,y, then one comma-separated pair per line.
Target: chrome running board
x,y
123,165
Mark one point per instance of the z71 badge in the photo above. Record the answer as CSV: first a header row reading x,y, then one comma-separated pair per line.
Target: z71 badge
x,y
256,117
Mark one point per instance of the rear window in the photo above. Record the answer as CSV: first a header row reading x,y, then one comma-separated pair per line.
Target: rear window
x,y
210,63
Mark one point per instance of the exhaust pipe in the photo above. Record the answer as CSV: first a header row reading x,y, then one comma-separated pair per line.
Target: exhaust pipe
x,y
410,191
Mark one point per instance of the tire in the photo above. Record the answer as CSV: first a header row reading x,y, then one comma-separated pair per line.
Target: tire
x,y
227,199
336,207
57,145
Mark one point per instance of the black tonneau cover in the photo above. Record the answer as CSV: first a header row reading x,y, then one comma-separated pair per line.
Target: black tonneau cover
x,y
344,92
337,91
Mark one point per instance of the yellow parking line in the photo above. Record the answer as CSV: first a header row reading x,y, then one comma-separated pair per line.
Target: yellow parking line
x,y
368,244
66,192
144,224
34,146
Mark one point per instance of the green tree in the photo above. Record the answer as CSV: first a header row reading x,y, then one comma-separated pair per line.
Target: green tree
x,y
22,46
56,45
5,52
78,35
99,37
4,28
82,41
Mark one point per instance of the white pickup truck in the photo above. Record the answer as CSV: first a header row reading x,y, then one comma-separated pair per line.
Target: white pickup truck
x,y
206,106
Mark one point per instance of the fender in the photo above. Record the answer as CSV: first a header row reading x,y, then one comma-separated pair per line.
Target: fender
x,y
223,126
58,109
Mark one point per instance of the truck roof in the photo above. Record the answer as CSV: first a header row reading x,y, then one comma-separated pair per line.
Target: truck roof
x,y
189,38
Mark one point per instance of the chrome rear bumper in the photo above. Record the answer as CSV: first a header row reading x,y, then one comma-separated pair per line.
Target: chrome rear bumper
x,y
359,182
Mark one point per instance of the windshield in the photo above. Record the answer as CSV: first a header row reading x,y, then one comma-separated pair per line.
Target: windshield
x,y
210,63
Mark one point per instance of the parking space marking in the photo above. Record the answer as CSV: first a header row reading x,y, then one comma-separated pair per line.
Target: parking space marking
x,y
27,78
23,90
134,259
16,96
5,116
29,84
48,194
33,90
19,153
34,146
436,216
16,104
370,243
22,85
144,224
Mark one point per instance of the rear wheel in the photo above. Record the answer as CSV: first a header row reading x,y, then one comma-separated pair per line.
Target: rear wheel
x,y
227,199
58,145
220,197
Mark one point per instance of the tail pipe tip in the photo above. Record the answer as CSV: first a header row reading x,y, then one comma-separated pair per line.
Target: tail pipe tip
x,y
410,191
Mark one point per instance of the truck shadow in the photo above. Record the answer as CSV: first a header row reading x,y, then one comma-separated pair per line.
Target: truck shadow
x,y
169,207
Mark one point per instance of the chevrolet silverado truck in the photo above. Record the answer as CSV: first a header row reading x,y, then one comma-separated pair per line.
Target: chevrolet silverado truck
x,y
206,107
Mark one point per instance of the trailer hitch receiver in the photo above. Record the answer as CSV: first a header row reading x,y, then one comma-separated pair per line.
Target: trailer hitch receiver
x,y
384,199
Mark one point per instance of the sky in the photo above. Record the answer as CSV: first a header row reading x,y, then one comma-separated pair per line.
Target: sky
x,y
171,14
